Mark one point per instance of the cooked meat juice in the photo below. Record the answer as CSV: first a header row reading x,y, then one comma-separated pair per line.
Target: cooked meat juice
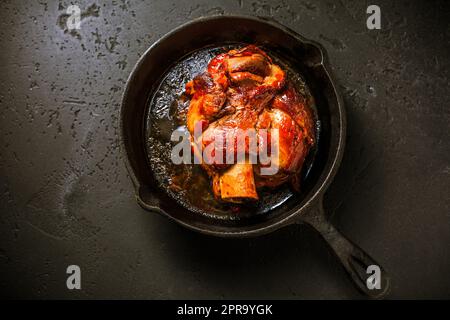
x,y
246,88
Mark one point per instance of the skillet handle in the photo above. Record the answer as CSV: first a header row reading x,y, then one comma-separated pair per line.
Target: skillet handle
x,y
357,263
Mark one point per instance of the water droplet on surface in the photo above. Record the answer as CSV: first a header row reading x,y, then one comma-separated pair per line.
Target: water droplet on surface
x,y
371,90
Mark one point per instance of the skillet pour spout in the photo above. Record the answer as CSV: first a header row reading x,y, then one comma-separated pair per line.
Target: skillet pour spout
x,y
305,58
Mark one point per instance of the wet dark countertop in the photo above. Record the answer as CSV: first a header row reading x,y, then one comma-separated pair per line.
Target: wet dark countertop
x,y
65,197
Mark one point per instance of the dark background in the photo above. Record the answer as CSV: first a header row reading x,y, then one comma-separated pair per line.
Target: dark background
x,y
65,197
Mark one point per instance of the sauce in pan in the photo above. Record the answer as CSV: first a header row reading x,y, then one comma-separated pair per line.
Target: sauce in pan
x,y
188,184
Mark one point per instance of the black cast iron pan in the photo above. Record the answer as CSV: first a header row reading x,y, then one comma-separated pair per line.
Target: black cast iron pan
x,y
146,117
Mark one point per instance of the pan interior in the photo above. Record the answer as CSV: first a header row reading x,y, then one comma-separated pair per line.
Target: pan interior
x,y
188,184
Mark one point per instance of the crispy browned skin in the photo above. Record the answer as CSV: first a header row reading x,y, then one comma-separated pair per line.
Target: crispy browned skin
x,y
243,89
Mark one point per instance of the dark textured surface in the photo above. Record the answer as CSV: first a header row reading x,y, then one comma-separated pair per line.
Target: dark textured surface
x,y
65,197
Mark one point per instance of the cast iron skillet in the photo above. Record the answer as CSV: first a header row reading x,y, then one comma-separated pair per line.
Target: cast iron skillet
x,y
306,208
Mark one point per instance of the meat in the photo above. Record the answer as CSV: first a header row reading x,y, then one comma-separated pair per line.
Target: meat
x,y
248,125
